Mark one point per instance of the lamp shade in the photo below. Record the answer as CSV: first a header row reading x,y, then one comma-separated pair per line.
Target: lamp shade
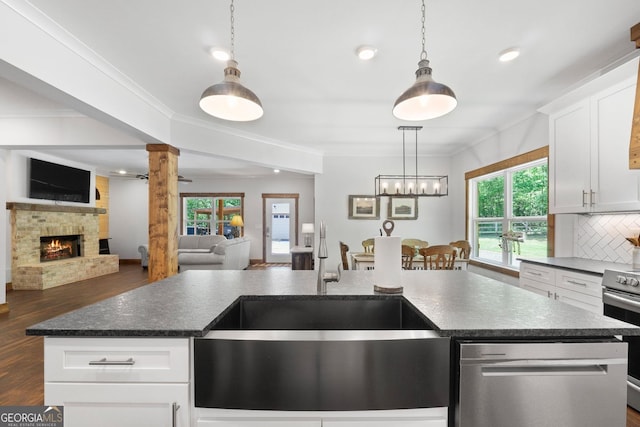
x,y
236,221
426,99
230,100
307,227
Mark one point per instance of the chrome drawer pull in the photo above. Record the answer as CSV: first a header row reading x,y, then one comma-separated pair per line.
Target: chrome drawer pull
x,y
573,282
105,362
534,273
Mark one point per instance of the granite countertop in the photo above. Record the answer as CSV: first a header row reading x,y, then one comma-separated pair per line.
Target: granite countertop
x,y
457,303
581,265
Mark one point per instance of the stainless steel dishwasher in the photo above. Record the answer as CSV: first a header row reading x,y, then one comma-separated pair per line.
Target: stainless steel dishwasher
x,y
542,384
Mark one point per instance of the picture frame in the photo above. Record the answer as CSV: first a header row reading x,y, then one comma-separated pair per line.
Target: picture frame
x,y
405,207
364,207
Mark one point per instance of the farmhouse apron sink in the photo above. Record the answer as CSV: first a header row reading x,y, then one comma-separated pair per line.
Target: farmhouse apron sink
x,y
321,353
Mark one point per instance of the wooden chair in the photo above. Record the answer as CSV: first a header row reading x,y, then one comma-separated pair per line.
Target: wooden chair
x,y
439,257
416,243
343,254
463,247
408,252
368,245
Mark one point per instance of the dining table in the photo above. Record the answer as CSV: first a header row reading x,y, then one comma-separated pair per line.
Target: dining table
x,y
366,261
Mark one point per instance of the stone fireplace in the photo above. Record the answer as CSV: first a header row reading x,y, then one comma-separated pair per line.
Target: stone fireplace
x,y
54,245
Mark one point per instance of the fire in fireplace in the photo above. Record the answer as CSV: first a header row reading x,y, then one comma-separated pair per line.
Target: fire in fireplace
x,y
54,248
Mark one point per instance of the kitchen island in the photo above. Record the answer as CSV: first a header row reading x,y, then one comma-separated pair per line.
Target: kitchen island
x,y
153,328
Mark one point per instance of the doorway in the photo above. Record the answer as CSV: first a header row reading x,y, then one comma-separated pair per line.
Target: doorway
x,y
280,226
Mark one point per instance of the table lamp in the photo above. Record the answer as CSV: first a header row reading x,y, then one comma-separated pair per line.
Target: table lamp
x,y
237,222
307,230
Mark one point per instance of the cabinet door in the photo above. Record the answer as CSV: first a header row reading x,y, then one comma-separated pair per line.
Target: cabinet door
x,y
616,187
577,299
539,288
121,405
569,159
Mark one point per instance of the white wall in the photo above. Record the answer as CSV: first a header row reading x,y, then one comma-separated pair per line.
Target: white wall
x,y
128,207
343,176
520,138
4,220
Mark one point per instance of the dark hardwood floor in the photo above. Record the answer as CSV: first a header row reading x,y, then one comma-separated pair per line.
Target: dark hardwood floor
x,y
21,356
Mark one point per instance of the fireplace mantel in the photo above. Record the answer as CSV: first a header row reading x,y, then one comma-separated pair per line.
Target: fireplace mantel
x,y
36,207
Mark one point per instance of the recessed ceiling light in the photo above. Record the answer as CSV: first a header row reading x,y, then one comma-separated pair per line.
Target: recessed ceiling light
x,y
365,52
509,54
122,172
220,53
276,171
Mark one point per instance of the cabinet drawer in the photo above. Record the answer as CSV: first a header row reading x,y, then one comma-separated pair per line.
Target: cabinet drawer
x,y
582,283
122,405
537,273
116,359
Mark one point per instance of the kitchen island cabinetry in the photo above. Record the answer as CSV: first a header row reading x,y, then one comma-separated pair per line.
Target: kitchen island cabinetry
x,y
588,145
128,360
119,381
578,289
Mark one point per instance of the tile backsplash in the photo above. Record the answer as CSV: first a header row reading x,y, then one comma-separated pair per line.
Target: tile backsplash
x,y
602,237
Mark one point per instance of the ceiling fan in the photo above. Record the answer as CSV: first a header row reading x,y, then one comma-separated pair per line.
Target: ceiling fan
x,y
145,176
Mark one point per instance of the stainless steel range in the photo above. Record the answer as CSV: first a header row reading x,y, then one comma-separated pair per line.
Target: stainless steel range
x,y
621,298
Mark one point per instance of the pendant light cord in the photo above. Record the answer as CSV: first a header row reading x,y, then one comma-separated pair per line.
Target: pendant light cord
x,y
233,34
423,54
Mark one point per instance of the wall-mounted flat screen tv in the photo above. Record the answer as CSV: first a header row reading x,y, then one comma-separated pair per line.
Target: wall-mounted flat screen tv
x,y
51,181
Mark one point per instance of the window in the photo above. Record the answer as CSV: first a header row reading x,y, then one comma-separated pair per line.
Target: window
x,y
507,210
211,213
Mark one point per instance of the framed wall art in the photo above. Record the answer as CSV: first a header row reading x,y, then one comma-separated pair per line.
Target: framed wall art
x,y
364,207
402,208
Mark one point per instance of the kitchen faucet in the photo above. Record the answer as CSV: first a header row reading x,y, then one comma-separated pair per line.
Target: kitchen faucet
x,y
324,277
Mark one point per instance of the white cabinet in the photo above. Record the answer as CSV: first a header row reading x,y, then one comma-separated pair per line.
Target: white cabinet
x,y
588,153
119,381
578,289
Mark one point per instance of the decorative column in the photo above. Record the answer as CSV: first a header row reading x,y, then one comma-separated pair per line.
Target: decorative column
x,y
163,211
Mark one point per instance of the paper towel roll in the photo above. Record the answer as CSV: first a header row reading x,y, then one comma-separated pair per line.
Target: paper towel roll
x,y
387,261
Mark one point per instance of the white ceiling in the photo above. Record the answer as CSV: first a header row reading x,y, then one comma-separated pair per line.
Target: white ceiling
x,y
298,57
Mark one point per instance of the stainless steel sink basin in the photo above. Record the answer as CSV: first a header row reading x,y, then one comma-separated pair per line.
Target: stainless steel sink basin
x,y
322,353
321,313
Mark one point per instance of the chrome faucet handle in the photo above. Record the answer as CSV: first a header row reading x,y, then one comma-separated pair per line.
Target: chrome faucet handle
x,y
333,277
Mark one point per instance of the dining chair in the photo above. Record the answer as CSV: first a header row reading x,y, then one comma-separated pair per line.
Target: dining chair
x,y
439,257
408,252
416,243
463,248
344,248
368,245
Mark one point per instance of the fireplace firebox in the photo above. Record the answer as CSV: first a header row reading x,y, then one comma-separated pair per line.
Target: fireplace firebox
x,y
53,248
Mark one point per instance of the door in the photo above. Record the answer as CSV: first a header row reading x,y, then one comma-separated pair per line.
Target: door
x,y
280,226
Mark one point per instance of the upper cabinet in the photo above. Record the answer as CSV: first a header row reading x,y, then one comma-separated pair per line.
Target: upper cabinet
x,y
589,136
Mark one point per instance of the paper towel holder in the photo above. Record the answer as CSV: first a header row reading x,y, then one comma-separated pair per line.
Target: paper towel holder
x,y
388,227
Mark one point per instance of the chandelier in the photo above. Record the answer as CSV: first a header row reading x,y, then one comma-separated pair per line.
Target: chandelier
x,y
411,185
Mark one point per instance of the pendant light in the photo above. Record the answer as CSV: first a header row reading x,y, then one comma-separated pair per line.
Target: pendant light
x,y
411,185
230,100
426,99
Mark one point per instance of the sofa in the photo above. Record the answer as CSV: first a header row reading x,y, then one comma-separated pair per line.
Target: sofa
x,y
210,252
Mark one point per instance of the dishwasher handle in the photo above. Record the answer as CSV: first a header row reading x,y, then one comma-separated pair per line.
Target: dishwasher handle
x,y
543,370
